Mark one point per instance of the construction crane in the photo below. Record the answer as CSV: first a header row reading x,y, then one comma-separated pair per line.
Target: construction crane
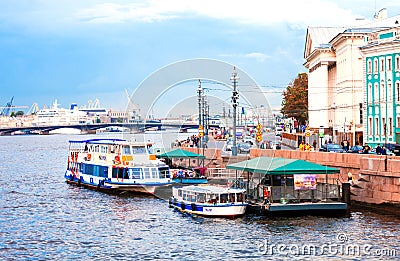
x,y
5,110
132,108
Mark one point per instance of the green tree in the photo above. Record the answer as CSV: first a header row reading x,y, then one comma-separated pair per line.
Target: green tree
x,y
295,99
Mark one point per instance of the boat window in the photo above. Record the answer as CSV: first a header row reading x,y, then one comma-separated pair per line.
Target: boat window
x,y
184,195
139,150
239,197
114,172
104,149
104,171
201,197
212,198
231,197
147,174
192,198
180,193
126,150
154,173
96,148
150,149
135,173
224,198
164,172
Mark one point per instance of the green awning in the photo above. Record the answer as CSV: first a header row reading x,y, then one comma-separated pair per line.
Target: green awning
x,y
281,166
180,153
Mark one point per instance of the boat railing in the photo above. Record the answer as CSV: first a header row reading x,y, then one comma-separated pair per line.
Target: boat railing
x,y
223,173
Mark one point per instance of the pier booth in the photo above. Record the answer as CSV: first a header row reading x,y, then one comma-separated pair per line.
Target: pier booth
x,y
291,187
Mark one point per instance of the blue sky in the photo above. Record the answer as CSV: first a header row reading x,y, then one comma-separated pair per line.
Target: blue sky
x,y
76,51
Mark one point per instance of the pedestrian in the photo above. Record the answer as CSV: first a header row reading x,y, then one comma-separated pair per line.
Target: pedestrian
x,y
383,150
314,144
378,149
302,146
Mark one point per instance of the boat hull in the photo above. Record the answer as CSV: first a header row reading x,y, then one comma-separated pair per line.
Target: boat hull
x,y
113,187
210,210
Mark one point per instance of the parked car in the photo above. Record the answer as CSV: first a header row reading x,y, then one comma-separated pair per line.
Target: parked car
x,y
229,145
395,148
356,149
331,147
276,145
248,139
243,147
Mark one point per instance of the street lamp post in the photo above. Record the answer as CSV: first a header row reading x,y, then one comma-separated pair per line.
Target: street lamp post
x,y
199,95
235,97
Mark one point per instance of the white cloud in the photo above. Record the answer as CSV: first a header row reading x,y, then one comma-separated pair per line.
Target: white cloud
x,y
260,57
259,12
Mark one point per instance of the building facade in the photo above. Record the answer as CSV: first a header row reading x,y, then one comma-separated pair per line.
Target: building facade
x,y
352,80
381,56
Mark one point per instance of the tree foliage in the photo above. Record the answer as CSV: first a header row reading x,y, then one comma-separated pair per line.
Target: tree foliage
x,y
295,99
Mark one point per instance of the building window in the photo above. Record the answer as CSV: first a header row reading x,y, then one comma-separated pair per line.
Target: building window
x,y
383,92
390,127
398,92
389,92
376,93
389,63
382,65
376,126
383,126
361,113
369,68
375,66
369,93
398,121
397,63
370,126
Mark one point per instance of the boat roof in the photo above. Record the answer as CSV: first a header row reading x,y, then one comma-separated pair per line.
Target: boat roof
x,y
212,189
111,141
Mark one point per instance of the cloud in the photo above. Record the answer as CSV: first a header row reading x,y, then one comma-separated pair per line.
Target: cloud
x,y
257,12
258,56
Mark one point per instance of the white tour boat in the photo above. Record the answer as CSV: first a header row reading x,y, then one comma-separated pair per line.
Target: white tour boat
x,y
115,165
209,201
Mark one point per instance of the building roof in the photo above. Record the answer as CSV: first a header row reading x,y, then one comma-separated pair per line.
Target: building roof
x,y
281,166
319,37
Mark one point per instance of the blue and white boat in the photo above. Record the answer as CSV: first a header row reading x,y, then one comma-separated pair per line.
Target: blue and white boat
x,y
209,201
115,165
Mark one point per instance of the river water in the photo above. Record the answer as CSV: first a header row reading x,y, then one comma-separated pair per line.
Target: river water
x,y
43,218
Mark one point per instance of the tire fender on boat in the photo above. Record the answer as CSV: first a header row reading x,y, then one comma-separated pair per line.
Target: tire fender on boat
x,y
193,205
183,206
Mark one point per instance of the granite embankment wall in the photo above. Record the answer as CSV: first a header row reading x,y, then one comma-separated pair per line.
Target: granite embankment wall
x,y
376,179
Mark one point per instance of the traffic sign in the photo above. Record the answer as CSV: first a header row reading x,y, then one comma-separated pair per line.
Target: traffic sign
x,y
201,134
259,126
259,138
308,134
201,127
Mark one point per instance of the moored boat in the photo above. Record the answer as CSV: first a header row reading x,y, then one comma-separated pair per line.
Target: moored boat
x,y
209,200
115,165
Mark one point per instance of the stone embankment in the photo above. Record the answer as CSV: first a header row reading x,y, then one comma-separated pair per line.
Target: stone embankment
x,y
376,179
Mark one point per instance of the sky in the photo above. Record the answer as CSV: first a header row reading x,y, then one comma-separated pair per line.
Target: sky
x,y
77,51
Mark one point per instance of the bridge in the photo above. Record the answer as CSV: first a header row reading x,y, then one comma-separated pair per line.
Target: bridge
x,y
137,126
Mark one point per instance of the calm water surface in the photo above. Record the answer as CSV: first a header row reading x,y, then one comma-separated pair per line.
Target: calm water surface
x,y
43,218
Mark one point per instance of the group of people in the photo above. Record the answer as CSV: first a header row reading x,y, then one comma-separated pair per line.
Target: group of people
x,y
307,146
192,141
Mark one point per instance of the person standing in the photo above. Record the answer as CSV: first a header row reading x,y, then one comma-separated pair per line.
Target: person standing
x,y
314,144
378,149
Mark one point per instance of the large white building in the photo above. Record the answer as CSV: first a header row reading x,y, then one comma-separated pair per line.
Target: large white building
x,y
336,79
